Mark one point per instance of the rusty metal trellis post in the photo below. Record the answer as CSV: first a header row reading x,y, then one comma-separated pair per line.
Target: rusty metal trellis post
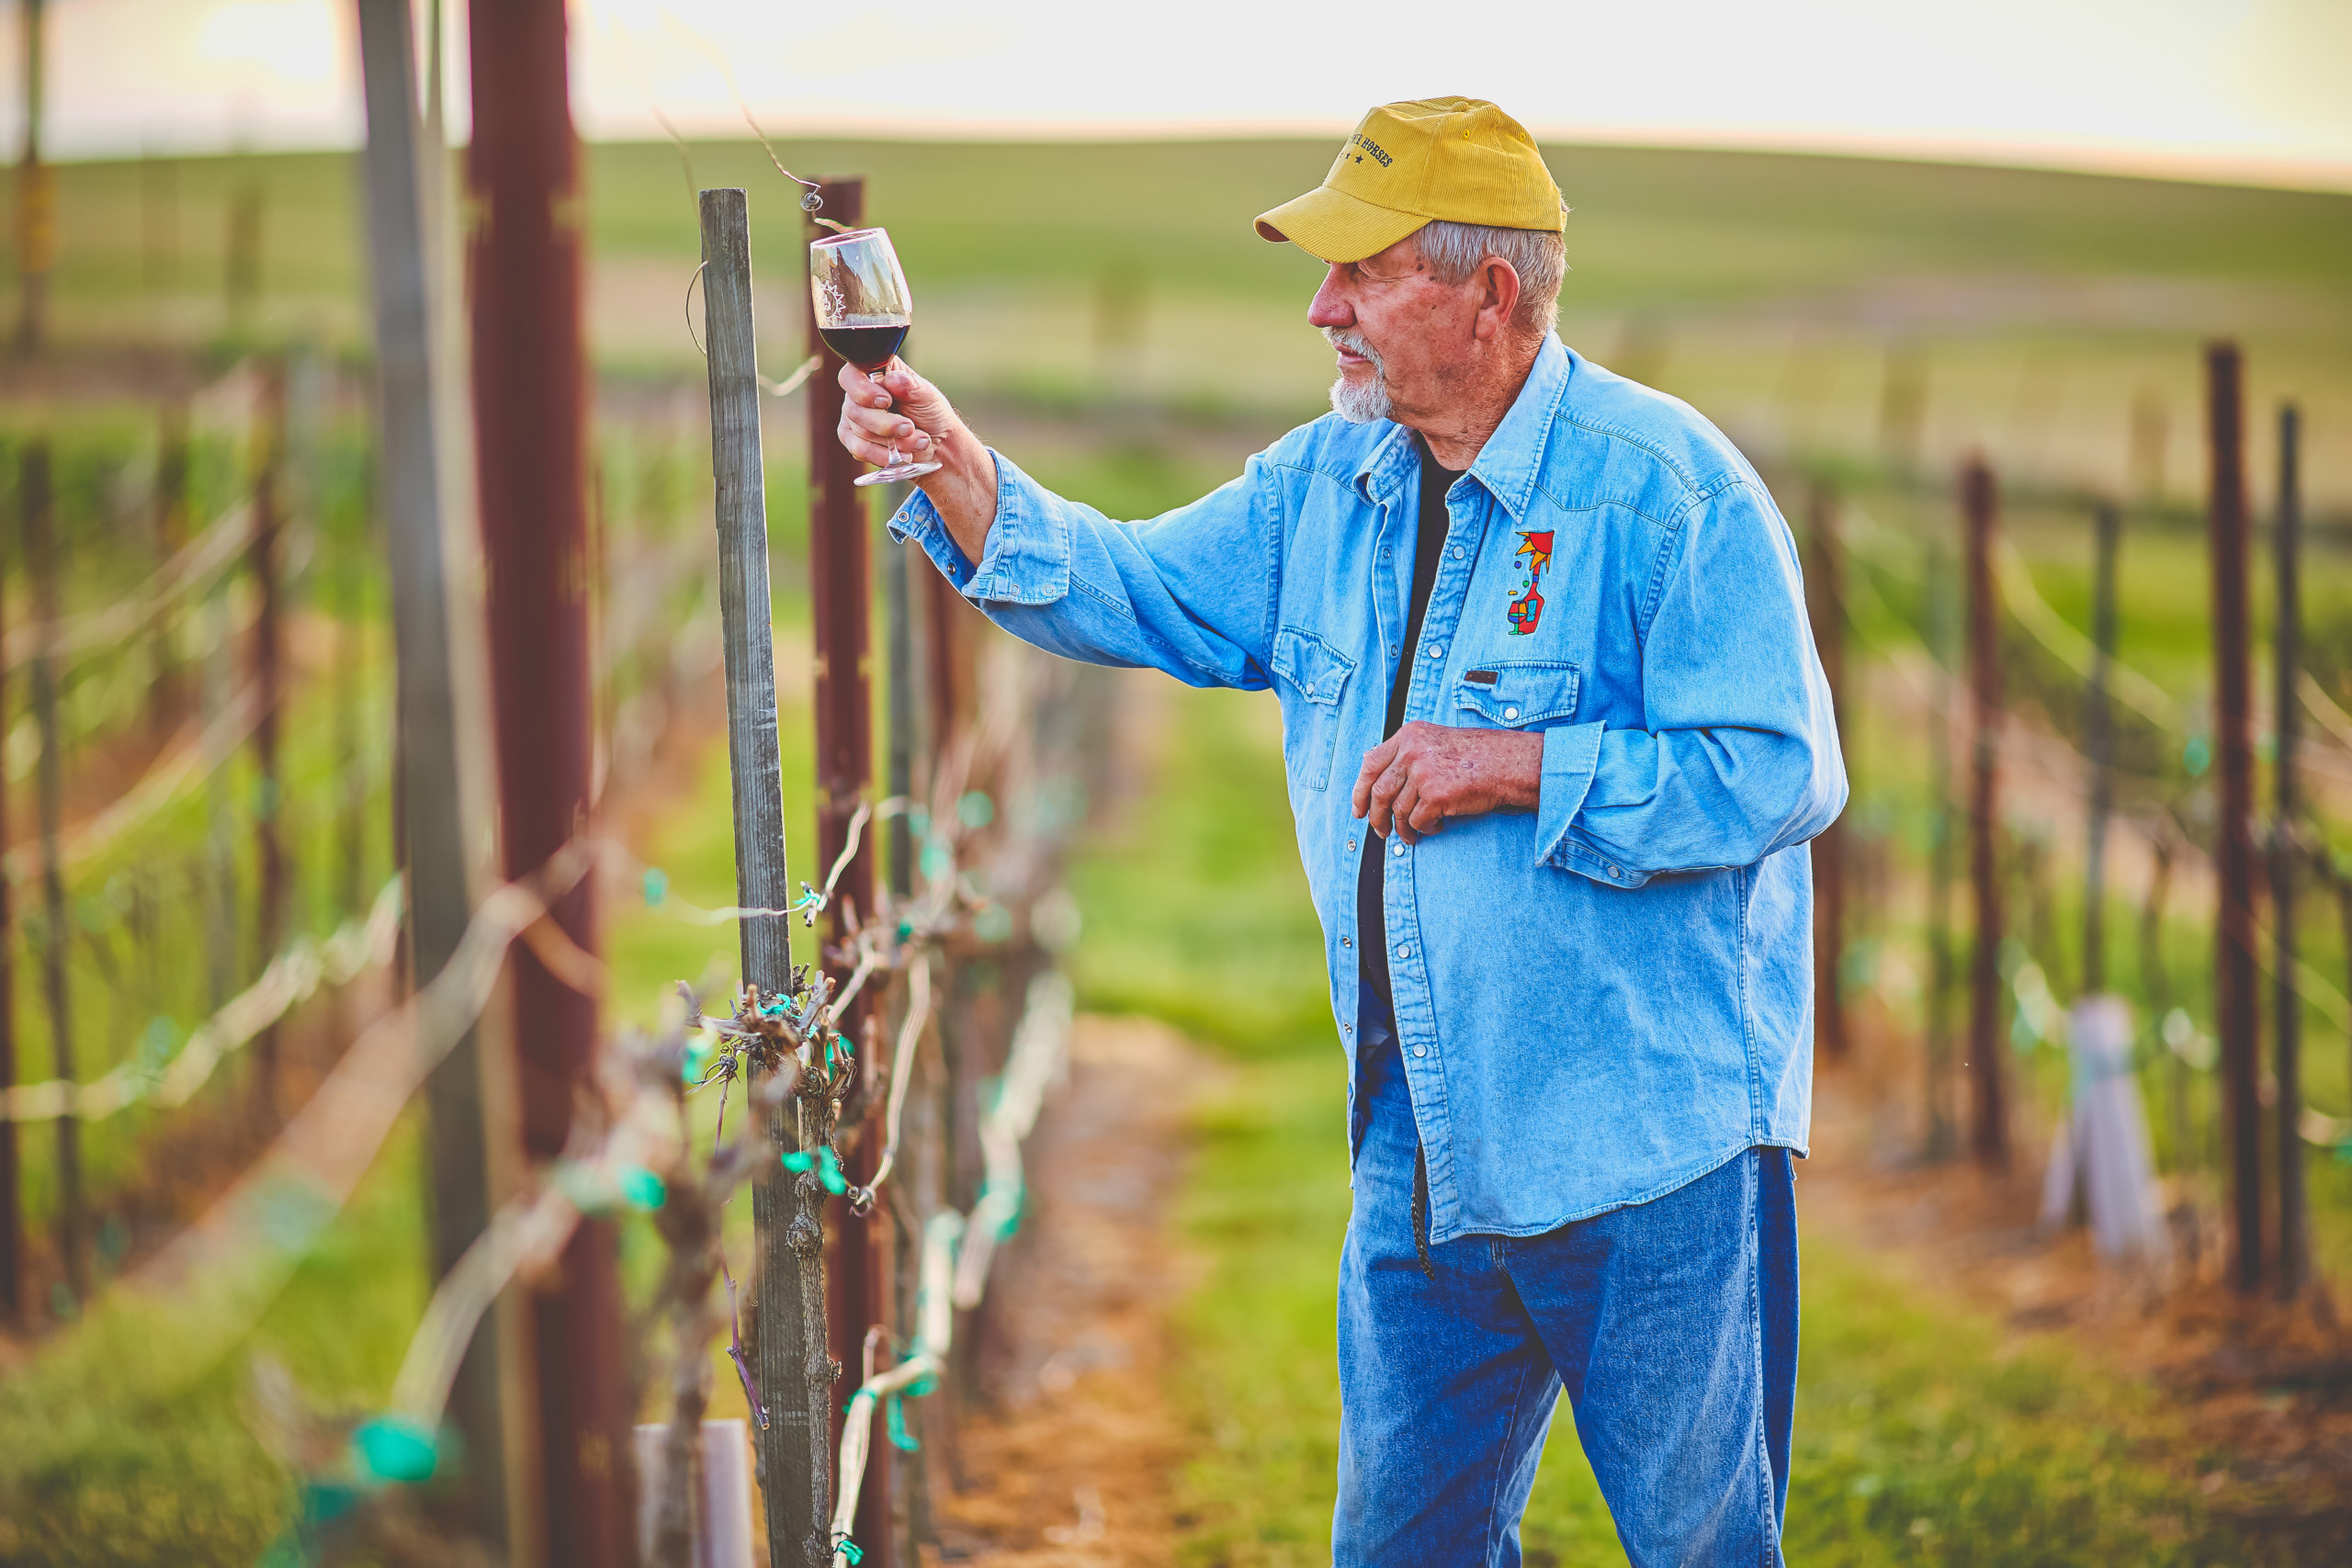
x,y
1989,1127
785,1210
164,696
842,591
1943,636
2234,849
530,419
2294,1223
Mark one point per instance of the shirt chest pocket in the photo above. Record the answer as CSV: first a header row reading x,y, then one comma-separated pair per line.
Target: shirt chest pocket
x,y
1516,694
1316,675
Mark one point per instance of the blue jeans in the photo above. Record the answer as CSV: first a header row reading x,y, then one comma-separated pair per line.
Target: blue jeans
x,y
1671,1324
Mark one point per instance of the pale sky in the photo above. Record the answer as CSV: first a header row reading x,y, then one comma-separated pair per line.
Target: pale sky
x,y
2226,89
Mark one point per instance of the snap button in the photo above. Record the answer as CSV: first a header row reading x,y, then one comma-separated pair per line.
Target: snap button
x,y
1347,941
1351,844
1404,950
1508,713
1310,688
1457,552
1437,651
1420,1050
1612,871
1397,849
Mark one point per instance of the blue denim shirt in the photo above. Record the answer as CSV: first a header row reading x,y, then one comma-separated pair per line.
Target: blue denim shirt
x,y
1607,998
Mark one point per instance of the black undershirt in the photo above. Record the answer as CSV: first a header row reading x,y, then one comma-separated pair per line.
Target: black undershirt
x,y
1429,544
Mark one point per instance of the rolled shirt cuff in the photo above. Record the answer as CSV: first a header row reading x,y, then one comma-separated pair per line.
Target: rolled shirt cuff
x,y
1571,753
1026,560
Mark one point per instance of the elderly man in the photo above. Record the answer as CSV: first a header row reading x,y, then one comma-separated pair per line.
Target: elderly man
x,y
1555,736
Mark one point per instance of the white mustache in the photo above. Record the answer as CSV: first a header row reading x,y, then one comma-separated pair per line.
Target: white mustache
x,y
1354,342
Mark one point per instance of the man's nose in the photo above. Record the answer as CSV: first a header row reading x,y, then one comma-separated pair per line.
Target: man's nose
x,y
1330,308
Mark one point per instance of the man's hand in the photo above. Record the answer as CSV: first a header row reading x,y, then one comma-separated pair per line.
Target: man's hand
x,y
1424,773
902,407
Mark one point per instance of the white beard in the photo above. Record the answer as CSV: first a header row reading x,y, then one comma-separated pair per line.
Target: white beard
x,y
1360,402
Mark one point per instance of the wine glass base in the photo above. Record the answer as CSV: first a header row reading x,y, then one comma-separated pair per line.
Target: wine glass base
x,y
894,473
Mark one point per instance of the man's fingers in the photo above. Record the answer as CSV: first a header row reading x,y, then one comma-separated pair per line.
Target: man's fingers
x,y
854,442
1404,804
1382,812
1376,762
921,401
883,425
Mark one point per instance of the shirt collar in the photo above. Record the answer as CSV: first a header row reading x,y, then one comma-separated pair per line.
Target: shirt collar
x,y
1506,464
1384,468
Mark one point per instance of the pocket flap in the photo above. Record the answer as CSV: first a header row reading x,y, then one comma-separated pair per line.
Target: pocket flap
x,y
1519,693
1319,670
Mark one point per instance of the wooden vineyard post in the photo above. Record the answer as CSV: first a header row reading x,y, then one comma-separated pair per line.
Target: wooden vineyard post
x,y
898,600
795,1371
1826,597
2098,736
841,586
2234,938
41,561
1988,1113
36,190
270,656
429,799
530,439
2294,1223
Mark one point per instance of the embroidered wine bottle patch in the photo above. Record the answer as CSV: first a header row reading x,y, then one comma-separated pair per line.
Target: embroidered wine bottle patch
x,y
1527,605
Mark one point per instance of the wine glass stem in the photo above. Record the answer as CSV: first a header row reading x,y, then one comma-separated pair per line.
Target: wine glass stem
x,y
877,376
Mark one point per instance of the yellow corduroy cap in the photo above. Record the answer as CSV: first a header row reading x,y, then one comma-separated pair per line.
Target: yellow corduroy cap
x,y
1462,160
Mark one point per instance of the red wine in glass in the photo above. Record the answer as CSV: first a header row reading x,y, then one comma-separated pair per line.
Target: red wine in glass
x,y
867,347
863,308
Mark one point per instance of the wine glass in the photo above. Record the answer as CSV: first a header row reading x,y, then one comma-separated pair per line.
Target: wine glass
x,y
863,309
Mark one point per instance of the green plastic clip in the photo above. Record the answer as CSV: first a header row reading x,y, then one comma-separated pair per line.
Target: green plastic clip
x,y
827,1165
895,1416
640,1189
391,1448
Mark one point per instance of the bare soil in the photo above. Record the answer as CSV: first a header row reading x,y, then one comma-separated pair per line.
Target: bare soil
x,y
1069,1454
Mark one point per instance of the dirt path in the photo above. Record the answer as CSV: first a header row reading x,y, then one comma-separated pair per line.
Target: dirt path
x,y
1070,1459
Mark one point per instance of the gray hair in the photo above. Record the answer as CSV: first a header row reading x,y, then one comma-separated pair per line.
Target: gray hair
x,y
1454,251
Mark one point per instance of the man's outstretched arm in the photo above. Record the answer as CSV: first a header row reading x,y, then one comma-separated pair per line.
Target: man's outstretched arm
x,y
1191,593
905,408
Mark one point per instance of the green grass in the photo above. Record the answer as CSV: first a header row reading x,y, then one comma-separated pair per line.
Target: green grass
x,y
1649,226
1925,1432
124,1443
1774,290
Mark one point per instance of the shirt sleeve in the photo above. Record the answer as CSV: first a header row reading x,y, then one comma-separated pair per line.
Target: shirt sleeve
x,y
1740,757
1192,592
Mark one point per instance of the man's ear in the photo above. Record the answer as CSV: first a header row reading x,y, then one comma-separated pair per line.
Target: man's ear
x,y
1499,298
